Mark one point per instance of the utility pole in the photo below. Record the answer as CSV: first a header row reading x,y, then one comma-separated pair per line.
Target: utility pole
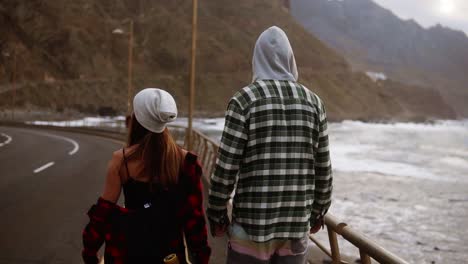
x,y
130,69
192,74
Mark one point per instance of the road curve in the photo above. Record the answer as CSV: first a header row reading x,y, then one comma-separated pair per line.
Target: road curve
x,y
48,180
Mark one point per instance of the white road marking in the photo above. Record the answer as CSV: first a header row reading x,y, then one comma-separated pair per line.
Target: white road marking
x,y
75,144
44,167
7,141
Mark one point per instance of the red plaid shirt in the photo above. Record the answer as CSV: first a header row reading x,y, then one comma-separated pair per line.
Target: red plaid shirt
x,y
99,229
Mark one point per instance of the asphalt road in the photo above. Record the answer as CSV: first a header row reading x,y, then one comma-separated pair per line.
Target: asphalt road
x,y
48,180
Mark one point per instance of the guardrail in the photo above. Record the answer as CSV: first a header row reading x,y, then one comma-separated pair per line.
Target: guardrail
x,y
207,150
367,248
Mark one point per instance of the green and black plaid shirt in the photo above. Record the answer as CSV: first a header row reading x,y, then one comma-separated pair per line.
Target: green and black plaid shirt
x,y
275,147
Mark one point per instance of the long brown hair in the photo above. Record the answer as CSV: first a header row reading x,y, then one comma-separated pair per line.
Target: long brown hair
x,y
159,152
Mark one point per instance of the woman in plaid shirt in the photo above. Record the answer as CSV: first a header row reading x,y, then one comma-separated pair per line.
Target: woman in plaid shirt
x,y
162,190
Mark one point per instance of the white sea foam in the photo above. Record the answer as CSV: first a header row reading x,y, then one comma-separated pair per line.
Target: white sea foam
x,y
437,151
118,121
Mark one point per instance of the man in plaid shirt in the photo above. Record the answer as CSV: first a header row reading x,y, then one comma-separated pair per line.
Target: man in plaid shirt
x,y
274,149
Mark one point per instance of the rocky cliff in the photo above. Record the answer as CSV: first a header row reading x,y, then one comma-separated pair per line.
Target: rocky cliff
x,y
374,39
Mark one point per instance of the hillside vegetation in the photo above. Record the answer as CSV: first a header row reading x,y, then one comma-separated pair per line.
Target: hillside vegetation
x,y
69,58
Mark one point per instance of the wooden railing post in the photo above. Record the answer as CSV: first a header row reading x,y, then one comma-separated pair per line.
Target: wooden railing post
x,y
213,160
335,248
365,259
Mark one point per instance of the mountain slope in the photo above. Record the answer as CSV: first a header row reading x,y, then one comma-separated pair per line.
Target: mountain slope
x,y
68,57
374,39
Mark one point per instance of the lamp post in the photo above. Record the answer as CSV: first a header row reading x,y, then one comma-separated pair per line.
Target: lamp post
x,y
130,62
192,73
14,80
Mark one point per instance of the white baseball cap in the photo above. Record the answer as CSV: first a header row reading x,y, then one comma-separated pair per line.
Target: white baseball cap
x,y
154,108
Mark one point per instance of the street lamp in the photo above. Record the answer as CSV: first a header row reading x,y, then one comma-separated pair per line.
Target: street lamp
x,y
13,78
15,54
119,31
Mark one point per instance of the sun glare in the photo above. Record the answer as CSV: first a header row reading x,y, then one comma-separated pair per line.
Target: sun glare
x,y
447,6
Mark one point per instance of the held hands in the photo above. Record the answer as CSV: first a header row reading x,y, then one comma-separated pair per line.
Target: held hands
x,y
219,229
319,223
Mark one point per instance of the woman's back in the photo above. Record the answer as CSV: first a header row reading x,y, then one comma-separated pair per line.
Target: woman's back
x,y
138,190
138,187
154,222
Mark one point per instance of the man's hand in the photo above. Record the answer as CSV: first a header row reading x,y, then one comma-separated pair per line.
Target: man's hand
x,y
318,224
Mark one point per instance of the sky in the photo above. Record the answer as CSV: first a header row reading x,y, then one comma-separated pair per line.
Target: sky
x,y
450,13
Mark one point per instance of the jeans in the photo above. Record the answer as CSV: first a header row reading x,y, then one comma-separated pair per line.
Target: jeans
x,y
241,250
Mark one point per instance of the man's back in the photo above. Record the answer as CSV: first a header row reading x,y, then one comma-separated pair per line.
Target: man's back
x,y
275,145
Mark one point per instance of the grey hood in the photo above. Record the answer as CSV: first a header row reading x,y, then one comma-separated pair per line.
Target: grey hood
x,y
273,57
